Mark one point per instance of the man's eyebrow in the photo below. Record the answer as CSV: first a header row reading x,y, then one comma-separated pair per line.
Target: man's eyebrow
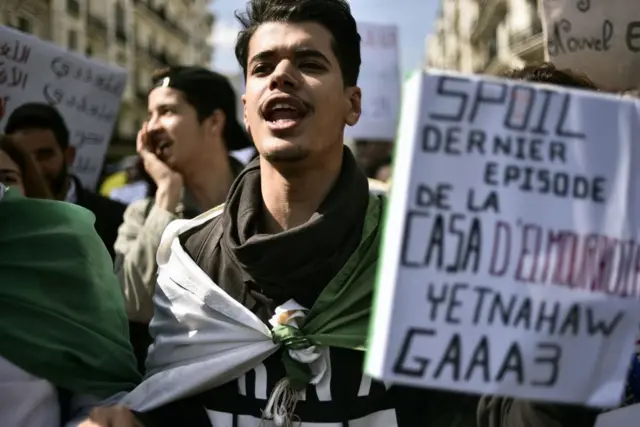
x,y
298,53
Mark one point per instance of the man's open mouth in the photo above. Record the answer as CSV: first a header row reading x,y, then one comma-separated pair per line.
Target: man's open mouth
x,y
284,112
161,146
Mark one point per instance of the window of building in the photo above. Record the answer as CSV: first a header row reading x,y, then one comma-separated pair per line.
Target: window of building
x,y
24,25
73,7
72,40
121,24
120,16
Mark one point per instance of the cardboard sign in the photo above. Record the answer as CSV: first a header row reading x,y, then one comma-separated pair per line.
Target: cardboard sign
x,y
87,93
511,256
600,38
380,83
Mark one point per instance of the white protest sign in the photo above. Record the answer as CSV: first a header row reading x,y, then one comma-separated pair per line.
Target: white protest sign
x,y
87,93
624,417
380,83
600,38
510,240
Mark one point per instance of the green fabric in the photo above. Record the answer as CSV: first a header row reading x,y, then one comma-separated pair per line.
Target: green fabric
x,y
62,315
340,316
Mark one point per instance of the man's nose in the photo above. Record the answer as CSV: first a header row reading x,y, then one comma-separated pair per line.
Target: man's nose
x,y
283,77
153,124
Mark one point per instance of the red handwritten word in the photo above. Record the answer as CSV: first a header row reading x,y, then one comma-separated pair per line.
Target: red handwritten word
x,y
16,52
593,262
12,76
522,102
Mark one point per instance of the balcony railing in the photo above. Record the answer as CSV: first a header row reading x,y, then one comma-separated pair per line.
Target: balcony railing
x,y
528,40
160,13
96,23
492,12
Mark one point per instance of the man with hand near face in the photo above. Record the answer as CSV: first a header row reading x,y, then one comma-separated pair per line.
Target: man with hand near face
x,y
185,146
40,130
294,247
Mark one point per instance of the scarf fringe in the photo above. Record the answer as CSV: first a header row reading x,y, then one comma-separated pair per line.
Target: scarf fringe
x,y
281,405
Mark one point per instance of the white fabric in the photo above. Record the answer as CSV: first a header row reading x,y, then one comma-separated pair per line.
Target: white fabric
x,y
25,400
206,338
130,193
72,193
290,313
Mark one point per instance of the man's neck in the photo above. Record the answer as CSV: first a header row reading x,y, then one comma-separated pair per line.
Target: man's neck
x,y
64,190
209,183
291,198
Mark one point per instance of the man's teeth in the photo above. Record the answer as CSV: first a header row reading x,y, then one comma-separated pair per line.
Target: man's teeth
x,y
283,107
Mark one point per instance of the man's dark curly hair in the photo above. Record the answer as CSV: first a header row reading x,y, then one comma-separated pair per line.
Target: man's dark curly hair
x,y
546,72
334,15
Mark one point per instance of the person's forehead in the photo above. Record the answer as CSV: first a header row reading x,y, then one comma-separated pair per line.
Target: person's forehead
x,y
288,37
164,96
35,137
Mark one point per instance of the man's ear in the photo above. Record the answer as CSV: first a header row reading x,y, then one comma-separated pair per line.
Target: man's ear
x,y
70,155
244,114
217,122
354,100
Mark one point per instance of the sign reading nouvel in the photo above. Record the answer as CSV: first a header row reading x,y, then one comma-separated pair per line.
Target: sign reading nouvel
x,y
599,38
511,255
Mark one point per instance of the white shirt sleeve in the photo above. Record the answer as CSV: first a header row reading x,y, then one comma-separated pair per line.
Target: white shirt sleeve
x,y
26,400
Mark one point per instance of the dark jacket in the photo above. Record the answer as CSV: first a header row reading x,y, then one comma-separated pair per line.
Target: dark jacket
x,y
109,214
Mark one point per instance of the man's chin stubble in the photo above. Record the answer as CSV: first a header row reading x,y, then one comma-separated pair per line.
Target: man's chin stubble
x,y
290,155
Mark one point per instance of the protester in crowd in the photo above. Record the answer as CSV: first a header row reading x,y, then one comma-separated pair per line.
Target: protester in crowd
x,y
41,131
370,154
19,171
299,230
185,148
511,412
135,187
546,72
64,330
383,171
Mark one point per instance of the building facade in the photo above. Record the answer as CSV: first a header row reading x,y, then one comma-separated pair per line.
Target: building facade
x,y
485,36
138,35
